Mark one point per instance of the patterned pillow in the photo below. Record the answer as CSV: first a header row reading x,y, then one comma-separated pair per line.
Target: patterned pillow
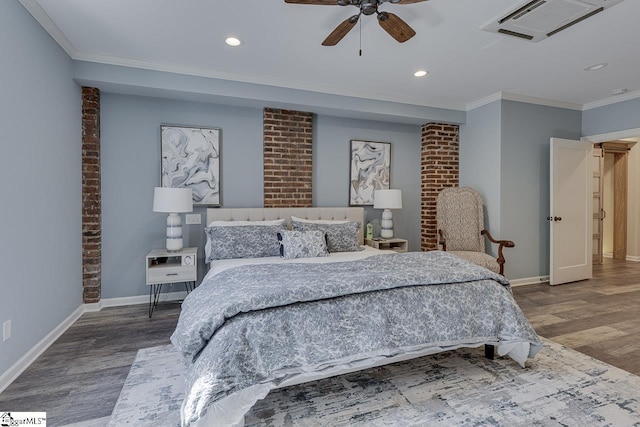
x,y
302,244
340,237
245,241
232,223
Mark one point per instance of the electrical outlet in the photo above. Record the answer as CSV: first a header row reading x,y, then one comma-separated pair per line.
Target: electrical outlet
x,y
193,219
6,330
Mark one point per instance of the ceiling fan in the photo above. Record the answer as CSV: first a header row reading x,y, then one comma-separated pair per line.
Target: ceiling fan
x,y
391,23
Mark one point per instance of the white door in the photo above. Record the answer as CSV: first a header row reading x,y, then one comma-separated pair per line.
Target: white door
x,y
571,211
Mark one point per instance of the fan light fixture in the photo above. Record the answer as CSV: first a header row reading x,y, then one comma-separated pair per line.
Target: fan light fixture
x,y
233,41
390,22
420,73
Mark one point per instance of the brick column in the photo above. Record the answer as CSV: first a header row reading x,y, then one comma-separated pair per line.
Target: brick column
x,y
439,169
288,162
91,196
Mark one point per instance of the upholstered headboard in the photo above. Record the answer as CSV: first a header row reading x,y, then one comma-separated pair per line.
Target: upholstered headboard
x,y
262,214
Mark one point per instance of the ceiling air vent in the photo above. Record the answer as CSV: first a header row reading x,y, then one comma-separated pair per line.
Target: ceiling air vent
x,y
538,19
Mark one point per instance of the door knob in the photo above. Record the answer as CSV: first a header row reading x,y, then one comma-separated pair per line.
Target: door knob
x,y
557,218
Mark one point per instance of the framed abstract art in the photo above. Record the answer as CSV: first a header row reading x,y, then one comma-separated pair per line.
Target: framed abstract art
x,y
369,171
191,159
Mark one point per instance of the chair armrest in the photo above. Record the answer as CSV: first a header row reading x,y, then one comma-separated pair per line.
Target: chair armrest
x,y
441,240
502,244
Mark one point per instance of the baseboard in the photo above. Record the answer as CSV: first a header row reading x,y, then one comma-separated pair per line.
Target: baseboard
x,y
30,356
629,257
137,299
529,281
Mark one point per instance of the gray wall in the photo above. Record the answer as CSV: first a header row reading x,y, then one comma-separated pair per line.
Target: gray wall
x,y
611,118
40,255
332,136
130,160
504,153
480,159
524,202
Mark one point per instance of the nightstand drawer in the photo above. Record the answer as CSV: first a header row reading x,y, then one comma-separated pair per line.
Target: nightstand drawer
x,y
170,274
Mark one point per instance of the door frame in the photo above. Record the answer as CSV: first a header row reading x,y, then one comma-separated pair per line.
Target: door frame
x,y
598,217
613,136
620,151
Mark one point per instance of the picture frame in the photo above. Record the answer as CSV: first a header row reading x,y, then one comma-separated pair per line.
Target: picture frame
x,y
190,158
370,170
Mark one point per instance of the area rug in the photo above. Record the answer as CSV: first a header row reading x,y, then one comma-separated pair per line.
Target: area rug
x,y
560,387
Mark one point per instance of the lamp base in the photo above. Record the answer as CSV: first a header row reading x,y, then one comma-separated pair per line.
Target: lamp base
x,y
387,224
174,232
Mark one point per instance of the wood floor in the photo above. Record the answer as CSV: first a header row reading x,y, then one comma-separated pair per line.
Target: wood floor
x,y
598,317
80,376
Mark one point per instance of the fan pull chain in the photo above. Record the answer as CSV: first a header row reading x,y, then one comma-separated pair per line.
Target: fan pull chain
x,y
360,24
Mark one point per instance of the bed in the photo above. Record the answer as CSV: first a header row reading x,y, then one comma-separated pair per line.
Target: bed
x,y
325,305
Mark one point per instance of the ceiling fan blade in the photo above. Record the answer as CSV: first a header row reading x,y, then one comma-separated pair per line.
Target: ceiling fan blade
x,y
320,2
410,1
396,27
340,31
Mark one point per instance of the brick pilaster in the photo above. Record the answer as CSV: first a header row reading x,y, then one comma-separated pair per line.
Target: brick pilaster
x,y
91,196
439,169
288,162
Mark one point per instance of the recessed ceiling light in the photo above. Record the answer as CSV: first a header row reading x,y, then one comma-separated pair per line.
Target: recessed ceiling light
x,y
420,73
596,67
233,41
619,91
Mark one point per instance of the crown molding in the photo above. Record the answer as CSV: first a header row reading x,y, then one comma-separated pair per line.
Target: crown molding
x,y
507,96
34,8
611,100
484,101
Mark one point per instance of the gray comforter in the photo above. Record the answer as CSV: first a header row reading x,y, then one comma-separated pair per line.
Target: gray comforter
x,y
262,324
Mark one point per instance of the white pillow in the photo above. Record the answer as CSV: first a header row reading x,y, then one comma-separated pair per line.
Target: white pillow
x,y
221,223
320,221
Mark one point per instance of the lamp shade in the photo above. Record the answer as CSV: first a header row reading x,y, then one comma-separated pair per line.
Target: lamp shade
x,y
172,200
387,199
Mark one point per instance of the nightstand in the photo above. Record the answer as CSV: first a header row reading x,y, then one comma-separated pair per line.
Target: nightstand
x,y
165,267
396,245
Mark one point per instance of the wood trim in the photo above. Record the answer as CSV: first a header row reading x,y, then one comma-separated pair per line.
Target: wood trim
x,y
616,146
598,218
620,206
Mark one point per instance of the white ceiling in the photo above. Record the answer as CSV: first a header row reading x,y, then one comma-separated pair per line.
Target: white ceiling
x,y
281,47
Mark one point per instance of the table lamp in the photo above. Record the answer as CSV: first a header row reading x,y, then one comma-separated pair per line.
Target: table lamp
x,y
387,200
173,201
